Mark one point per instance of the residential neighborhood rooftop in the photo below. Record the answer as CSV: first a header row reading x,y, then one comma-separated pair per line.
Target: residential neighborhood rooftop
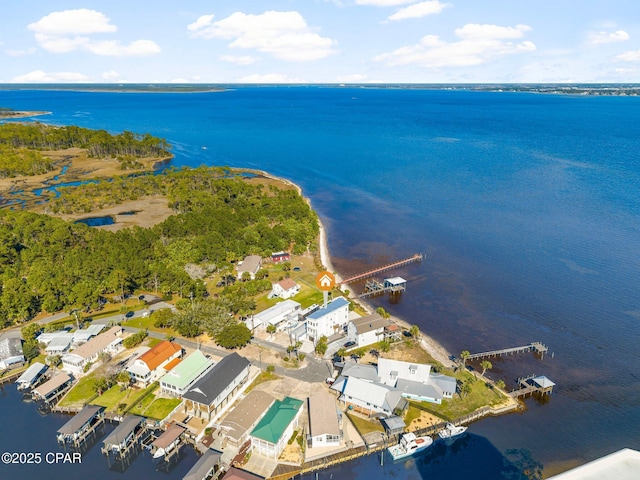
x,y
217,379
323,418
274,423
187,370
370,322
160,353
332,306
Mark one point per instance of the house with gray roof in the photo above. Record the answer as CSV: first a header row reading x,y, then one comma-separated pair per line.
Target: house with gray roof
x,y
367,330
217,387
324,421
251,264
239,422
11,353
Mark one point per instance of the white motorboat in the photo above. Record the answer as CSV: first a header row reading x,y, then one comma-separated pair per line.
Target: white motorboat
x,y
451,431
409,444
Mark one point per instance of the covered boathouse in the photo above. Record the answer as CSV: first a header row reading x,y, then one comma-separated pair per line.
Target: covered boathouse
x,y
206,465
125,437
169,443
31,376
53,388
81,425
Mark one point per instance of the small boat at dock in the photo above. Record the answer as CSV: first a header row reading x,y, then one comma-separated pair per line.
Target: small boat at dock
x,y
409,444
451,431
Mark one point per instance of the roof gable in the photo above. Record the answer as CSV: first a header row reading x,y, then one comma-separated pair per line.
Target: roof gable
x,y
336,304
217,379
159,354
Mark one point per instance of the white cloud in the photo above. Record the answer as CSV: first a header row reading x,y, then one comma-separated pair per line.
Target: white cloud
x,y
73,22
111,75
478,44
383,3
418,10
631,56
20,53
201,22
114,48
238,59
599,38
270,78
38,76
284,35
70,30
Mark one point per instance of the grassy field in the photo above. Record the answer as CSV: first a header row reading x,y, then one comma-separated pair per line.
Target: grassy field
x,y
81,392
156,408
114,397
365,426
262,378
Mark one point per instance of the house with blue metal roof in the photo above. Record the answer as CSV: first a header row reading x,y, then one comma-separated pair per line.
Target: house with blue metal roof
x,y
328,320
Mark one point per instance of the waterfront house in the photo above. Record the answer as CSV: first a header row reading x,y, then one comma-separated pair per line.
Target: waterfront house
x,y
108,341
270,435
367,330
378,388
11,353
284,289
239,422
149,366
324,421
279,257
284,313
251,264
178,380
328,320
368,397
217,387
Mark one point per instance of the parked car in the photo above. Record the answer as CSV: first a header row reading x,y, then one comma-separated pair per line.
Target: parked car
x,y
349,344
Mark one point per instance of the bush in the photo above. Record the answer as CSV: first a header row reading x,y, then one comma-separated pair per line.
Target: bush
x,y
135,339
271,368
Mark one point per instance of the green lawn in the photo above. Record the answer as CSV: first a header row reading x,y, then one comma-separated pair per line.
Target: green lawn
x,y
365,426
480,396
262,378
80,393
114,397
156,408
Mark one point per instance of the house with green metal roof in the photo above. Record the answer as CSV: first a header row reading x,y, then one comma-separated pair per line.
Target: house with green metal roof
x,y
270,435
178,380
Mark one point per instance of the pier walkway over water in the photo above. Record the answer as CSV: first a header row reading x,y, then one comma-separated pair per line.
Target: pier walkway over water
x,y
532,384
418,257
536,347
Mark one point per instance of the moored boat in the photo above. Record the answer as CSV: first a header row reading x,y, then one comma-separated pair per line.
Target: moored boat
x,y
409,444
451,431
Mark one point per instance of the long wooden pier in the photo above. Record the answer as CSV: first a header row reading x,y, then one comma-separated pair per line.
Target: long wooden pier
x,y
418,257
536,347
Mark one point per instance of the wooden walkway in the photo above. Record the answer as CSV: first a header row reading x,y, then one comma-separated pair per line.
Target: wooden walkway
x,y
418,257
10,377
375,287
536,347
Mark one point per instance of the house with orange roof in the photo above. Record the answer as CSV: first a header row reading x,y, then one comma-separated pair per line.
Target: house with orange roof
x,y
153,364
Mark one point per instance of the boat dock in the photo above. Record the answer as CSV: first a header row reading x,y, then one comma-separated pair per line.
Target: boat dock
x,y
81,425
31,376
125,438
390,285
533,384
53,389
205,467
536,347
418,257
168,444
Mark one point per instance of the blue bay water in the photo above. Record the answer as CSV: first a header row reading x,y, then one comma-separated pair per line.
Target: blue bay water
x,y
526,206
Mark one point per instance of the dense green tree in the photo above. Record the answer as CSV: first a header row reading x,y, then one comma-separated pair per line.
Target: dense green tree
x,y
234,336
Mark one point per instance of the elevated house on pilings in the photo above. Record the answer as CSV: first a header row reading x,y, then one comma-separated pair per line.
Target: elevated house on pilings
x,y
125,437
81,425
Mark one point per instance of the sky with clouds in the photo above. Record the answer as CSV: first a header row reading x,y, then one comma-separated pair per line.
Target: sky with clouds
x,y
320,41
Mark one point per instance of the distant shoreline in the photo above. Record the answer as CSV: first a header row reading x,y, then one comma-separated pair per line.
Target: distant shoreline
x,y
11,114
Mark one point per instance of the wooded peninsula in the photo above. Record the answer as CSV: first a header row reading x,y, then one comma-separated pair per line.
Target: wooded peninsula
x,y
218,216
